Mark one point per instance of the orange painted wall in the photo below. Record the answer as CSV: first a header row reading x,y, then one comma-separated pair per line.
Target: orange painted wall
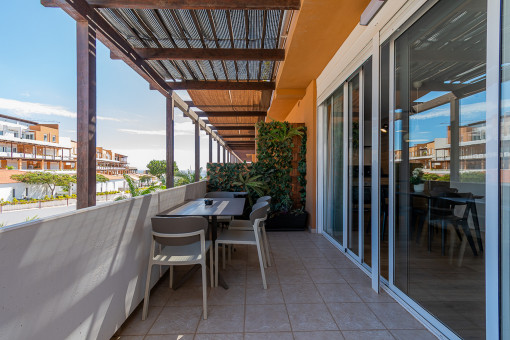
x,y
305,111
49,129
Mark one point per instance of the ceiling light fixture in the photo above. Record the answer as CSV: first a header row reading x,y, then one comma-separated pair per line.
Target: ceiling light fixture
x,y
369,13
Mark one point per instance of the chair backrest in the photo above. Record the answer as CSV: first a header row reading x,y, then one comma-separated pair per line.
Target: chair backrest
x,y
175,226
259,205
220,194
264,199
258,214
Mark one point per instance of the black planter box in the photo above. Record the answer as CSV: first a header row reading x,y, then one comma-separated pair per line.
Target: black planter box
x,y
287,222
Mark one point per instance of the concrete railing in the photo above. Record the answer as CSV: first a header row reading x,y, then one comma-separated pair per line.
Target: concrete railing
x,y
81,274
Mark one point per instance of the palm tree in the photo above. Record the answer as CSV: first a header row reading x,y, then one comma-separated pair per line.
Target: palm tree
x,y
134,190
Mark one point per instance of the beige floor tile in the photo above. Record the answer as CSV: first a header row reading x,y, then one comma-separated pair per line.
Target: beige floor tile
x,y
185,296
316,263
368,335
393,316
354,275
301,293
291,276
269,336
234,295
127,337
266,318
325,275
354,316
415,334
318,335
310,317
367,294
223,319
337,292
254,277
219,336
309,252
170,337
173,320
256,295
134,324
234,277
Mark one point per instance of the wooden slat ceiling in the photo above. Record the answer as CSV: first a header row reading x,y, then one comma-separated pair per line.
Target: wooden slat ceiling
x,y
197,45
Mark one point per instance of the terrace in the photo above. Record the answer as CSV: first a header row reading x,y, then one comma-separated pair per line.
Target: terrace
x,y
82,274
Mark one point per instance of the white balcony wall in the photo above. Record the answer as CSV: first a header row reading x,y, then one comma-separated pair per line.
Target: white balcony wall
x,y
79,275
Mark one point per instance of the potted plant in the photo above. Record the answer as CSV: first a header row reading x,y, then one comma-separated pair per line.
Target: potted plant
x,y
417,180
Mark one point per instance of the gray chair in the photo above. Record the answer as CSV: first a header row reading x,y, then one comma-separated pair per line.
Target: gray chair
x,y
264,199
247,226
181,242
252,237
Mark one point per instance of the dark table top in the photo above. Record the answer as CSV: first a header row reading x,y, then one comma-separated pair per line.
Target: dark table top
x,y
220,207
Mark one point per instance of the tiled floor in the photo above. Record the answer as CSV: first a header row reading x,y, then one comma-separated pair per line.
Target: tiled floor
x,y
314,292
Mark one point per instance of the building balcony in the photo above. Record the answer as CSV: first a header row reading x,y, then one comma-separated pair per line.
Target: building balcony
x,y
72,284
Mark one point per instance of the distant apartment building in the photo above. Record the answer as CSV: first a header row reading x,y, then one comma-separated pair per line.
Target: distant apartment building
x,y
27,145
108,162
435,155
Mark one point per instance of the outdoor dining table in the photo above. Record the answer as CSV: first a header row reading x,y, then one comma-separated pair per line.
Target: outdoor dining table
x,y
470,204
197,207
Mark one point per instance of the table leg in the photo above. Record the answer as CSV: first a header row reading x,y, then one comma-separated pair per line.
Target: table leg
x,y
214,222
474,215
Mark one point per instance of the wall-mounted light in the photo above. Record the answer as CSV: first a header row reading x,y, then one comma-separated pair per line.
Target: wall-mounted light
x,y
369,13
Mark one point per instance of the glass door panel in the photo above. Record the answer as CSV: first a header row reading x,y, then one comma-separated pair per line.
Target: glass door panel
x,y
439,157
367,163
353,165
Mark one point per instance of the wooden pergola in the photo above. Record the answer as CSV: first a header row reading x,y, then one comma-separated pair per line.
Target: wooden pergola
x,y
224,52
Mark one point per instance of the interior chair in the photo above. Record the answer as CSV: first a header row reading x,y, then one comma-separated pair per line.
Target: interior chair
x,y
181,242
246,225
443,214
252,237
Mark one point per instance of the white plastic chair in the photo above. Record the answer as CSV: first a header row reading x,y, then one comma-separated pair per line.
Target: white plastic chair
x,y
184,243
245,237
247,226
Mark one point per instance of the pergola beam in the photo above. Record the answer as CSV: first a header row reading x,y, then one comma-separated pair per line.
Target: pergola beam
x,y
80,10
198,4
221,85
232,114
237,136
234,127
86,115
211,54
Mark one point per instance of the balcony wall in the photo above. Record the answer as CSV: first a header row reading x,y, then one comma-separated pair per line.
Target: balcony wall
x,y
79,275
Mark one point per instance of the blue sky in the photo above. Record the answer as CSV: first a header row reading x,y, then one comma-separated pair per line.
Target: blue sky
x,y
38,82
428,125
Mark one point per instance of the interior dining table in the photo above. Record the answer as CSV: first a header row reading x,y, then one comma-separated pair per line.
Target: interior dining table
x,y
197,207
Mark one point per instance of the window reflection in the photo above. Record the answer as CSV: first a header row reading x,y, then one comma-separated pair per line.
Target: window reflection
x,y
440,164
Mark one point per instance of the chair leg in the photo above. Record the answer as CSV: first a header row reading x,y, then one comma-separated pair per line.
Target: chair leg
x,y
211,265
266,246
204,289
261,263
171,270
147,292
223,255
217,266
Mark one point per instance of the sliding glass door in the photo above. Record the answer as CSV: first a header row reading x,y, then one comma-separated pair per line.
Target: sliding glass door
x,y
439,164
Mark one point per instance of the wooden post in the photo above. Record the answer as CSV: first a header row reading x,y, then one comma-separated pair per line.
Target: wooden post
x,y
224,153
86,115
218,145
197,152
210,148
170,104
